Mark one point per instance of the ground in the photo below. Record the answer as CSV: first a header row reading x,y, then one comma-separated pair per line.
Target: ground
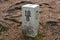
x,y
11,23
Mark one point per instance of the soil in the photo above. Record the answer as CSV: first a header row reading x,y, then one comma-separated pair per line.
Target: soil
x,y
11,14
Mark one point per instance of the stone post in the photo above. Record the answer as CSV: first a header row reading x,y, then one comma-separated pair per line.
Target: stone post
x,y
30,19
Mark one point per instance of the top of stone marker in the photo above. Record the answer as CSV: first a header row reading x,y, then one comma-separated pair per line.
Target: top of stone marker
x,y
30,5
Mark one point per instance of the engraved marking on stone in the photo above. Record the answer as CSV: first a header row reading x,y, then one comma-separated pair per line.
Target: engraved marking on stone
x,y
36,15
28,30
27,14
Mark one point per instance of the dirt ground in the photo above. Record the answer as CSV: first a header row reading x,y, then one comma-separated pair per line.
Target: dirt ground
x,y
11,23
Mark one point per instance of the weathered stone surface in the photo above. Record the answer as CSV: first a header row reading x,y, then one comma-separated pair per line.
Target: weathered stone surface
x,y
30,23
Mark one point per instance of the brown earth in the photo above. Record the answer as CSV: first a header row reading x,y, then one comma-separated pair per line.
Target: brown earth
x,y
11,14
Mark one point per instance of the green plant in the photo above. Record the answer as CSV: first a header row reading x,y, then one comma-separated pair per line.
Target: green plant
x,y
3,28
38,37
